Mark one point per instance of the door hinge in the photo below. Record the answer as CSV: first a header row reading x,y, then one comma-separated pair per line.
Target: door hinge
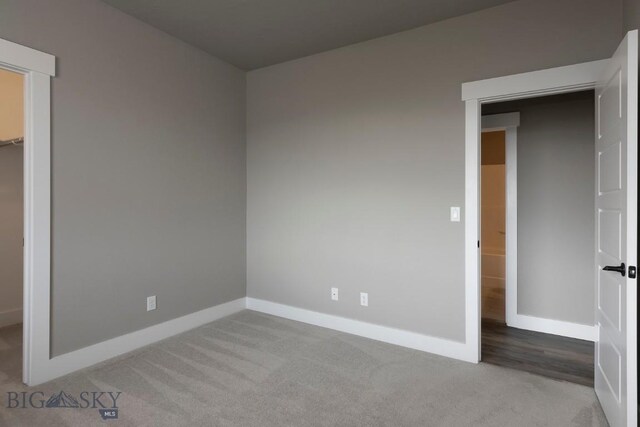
x,y
632,272
478,243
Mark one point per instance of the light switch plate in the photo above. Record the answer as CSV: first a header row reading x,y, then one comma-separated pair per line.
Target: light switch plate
x,y
455,214
151,303
334,294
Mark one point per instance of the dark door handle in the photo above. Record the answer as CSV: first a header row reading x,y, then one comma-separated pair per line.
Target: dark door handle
x,y
622,270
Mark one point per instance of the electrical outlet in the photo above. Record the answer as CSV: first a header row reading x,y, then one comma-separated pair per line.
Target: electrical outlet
x,y
151,303
334,294
364,299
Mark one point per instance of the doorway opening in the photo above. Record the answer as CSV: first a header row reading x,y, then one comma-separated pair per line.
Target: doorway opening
x,y
615,81
537,247
36,69
12,127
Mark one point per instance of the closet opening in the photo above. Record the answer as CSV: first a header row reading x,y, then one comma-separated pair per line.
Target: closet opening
x,y
11,223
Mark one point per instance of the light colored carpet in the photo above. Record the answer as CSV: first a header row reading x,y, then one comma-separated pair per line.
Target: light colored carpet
x,y
252,369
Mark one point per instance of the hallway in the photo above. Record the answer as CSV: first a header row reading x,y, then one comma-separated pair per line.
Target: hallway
x,y
561,358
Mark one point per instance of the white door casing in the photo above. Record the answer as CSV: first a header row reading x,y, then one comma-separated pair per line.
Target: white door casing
x,y
566,79
616,234
571,78
37,68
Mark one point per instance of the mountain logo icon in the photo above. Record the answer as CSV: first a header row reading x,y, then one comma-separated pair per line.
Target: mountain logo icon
x,y
62,400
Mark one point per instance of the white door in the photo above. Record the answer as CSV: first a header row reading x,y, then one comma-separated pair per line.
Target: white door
x,y
616,238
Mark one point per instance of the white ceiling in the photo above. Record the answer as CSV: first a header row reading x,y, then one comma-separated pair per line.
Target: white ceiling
x,y
255,33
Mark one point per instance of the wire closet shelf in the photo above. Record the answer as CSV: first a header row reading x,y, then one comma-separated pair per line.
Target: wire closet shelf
x,y
11,142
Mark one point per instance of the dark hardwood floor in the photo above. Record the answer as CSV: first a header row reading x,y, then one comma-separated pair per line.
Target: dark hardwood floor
x,y
551,356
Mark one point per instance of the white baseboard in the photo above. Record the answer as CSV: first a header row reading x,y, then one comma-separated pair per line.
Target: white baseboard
x,y
10,317
554,327
440,346
84,357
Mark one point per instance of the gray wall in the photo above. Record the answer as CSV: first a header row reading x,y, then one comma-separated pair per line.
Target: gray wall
x,y
148,170
355,156
556,219
631,11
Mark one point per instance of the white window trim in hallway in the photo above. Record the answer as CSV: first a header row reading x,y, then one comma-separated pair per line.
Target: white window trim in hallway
x,y
37,68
